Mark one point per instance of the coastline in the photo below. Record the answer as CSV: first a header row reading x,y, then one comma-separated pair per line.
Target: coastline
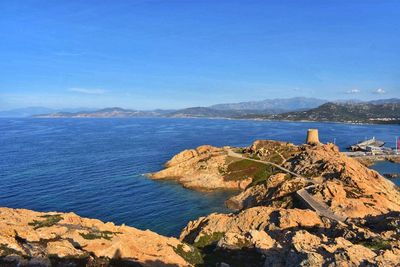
x,y
273,224
218,118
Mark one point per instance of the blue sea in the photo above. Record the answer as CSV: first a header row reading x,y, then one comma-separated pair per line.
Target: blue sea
x,y
95,167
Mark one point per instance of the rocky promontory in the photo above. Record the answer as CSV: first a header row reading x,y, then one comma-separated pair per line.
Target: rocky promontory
x,y
271,173
201,168
307,205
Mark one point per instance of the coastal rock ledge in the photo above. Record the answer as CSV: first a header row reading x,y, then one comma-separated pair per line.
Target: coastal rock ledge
x,y
29,238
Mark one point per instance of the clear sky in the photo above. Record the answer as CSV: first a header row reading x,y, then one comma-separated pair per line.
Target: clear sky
x,y
171,54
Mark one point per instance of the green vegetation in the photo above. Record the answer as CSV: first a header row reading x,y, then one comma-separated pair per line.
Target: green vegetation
x,y
276,158
235,258
204,253
199,249
376,244
96,234
49,220
254,156
243,169
277,152
240,150
193,256
207,240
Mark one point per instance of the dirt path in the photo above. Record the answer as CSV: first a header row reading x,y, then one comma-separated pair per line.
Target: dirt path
x,y
304,196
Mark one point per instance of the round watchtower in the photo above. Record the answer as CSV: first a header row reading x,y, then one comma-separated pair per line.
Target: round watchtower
x,y
312,137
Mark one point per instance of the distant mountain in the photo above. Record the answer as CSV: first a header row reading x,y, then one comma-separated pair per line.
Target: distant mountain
x,y
106,113
385,101
24,112
273,105
377,111
203,112
346,112
32,111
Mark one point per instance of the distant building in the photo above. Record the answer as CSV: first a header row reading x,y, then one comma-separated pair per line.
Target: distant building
x,y
375,150
368,145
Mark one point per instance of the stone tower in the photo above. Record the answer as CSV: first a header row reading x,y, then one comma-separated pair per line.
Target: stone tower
x,y
312,137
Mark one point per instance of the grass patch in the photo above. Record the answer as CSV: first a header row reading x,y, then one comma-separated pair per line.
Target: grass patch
x,y
263,176
193,256
49,220
240,150
95,234
254,156
243,169
276,158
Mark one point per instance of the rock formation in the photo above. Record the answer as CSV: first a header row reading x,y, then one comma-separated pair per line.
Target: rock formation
x,y
201,168
275,227
29,238
348,187
307,205
266,236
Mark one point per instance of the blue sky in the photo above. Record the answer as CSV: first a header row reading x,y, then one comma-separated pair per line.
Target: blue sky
x,y
173,54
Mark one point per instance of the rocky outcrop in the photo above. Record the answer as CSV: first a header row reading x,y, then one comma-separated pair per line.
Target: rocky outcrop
x,y
65,239
210,168
291,237
277,191
275,227
343,184
201,168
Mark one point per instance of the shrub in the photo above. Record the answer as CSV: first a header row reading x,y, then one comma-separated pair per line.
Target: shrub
x,y
96,234
193,256
49,220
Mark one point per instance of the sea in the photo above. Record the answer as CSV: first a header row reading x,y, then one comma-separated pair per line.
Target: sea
x,y
96,167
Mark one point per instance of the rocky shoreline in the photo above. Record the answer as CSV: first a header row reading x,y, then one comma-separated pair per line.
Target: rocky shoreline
x,y
306,205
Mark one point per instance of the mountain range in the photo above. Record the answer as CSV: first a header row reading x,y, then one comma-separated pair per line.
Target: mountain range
x,y
273,105
383,112
295,109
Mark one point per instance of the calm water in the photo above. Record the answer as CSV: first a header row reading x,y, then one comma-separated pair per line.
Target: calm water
x,y
94,167
387,167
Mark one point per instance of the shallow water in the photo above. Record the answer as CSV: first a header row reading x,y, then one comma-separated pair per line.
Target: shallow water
x,y
387,167
95,167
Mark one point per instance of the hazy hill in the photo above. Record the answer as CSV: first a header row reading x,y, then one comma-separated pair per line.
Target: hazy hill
x,y
278,104
361,112
25,112
203,112
106,113
32,111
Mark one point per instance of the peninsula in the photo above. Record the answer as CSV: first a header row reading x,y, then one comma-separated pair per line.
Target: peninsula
x,y
306,205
